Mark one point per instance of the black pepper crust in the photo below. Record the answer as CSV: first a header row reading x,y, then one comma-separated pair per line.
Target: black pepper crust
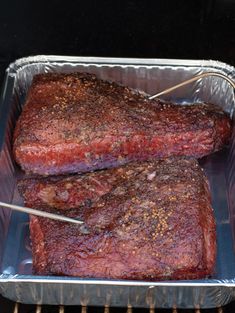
x,y
75,123
151,221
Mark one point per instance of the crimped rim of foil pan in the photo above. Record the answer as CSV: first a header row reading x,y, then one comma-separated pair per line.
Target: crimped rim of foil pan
x,y
20,63
5,278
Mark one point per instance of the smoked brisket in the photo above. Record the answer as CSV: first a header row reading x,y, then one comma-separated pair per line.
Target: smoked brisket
x,y
74,123
143,221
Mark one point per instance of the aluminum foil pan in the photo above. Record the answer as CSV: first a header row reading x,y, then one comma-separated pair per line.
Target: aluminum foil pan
x,y
151,76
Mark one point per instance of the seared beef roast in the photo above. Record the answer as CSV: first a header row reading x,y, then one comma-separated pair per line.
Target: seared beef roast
x,y
75,123
144,221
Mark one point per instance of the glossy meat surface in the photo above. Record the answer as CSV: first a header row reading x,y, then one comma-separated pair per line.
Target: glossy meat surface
x,y
74,123
154,221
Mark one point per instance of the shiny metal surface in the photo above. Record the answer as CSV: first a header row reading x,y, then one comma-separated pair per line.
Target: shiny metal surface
x,y
151,76
40,213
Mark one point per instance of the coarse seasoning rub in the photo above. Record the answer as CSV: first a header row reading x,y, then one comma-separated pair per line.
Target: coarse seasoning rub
x,y
143,221
74,123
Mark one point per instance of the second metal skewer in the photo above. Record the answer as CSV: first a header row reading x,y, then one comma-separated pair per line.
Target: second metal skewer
x,y
186,82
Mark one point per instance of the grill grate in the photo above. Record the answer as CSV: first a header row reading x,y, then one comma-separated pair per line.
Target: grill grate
x,y
21,308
